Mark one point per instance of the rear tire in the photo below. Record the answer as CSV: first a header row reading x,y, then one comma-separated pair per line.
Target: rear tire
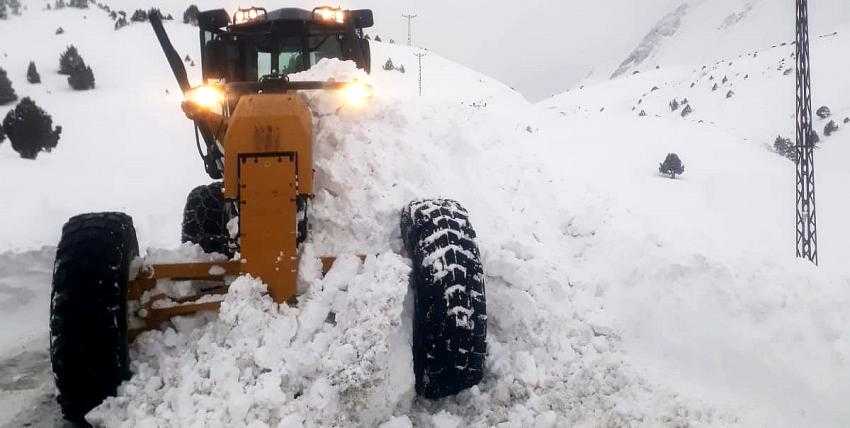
x,y
205,219
88,310
450,313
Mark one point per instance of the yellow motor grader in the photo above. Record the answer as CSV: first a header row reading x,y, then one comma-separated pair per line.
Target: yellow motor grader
x,y
254,131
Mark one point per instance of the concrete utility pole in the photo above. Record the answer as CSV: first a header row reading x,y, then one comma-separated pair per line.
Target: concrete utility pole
x,y
421,54
807,238
410,18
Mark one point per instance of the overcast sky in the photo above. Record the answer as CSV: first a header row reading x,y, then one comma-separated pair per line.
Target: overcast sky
x,y
539,47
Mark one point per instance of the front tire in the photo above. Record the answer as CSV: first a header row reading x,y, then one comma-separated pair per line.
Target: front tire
x,y
450,313
88,310
205,219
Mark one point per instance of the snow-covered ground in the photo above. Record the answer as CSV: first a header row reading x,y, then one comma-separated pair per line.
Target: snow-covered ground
x,y
615,296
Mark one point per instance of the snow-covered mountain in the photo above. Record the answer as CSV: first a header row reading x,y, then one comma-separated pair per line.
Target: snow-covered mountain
x,y
698,31
615,296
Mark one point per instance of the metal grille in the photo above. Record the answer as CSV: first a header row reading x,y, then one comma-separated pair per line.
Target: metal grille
x,y
807,241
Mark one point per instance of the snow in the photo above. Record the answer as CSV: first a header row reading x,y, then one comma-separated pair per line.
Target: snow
x,y
615,296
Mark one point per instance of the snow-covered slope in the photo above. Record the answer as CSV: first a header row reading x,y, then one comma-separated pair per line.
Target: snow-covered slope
x,y
709,297
615,296
696,31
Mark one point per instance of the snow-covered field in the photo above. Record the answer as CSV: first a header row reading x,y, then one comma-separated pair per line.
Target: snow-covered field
x,y
615,297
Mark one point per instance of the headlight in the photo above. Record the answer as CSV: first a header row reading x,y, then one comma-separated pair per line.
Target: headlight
x,y
242,16
208,97
357,94
330,14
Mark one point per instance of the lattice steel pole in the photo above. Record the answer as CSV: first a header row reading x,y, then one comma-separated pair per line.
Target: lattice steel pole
x,y
410,18
420,55
807,239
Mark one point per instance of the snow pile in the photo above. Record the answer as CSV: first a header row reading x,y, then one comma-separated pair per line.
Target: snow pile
x,y
329,361
342,357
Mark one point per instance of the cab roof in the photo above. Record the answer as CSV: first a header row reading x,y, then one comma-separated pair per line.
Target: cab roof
x,y
217,19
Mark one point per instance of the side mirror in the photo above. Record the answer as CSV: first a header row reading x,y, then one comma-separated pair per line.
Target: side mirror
x,y
364,57
362,18
213,19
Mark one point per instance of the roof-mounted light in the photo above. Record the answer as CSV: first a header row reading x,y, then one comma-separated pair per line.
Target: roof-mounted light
x,y
250,14
329,14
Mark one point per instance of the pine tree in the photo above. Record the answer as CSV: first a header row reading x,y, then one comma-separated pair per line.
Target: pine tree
x,y
121,23
139,16
7,94
389,65
32,74
4,13
60,30
30,129
81,78
378,39
15,7
672,166
2,134
674,105
830,128
401,69
70,60
190,15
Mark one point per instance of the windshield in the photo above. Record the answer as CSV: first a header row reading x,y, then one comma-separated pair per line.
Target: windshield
x,y
287,56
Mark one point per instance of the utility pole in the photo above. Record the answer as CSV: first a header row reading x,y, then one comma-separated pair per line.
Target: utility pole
x,y
421,54
807,239
409,17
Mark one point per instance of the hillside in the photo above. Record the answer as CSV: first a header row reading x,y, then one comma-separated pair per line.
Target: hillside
x,y
615,296
697,31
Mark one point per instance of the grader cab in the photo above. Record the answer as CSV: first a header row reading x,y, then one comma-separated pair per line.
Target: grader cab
x,y
254,132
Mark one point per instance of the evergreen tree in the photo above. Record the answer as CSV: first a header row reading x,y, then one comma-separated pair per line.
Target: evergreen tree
x,y
783,147
30,129
81,78
60,30
687,110
672,166
60,4
79,4
830,128
2,134
139,16
32,74
378,39
15,7
70,60
7,94
674,105
190,15
121,23
389,65
401,69
4,13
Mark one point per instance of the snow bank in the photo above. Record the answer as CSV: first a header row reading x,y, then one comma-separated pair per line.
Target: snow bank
x,y
339,358
343,356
